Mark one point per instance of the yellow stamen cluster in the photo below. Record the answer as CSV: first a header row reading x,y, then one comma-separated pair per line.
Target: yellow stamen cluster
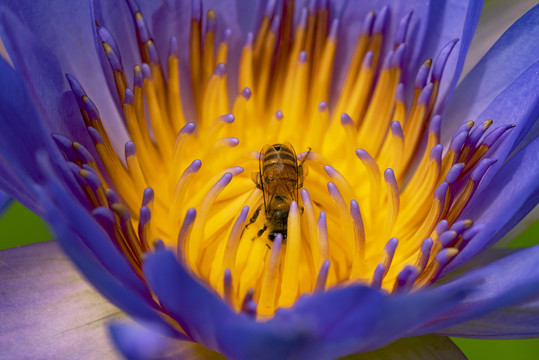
x,y
188,181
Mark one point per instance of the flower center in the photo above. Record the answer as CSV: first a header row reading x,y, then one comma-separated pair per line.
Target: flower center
x,y
361,202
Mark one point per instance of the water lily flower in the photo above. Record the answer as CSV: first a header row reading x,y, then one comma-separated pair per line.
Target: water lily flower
x,y
159,140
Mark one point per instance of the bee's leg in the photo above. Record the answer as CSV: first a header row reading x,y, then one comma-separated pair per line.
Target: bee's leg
x,y
305,157
261,231
255,216
300,169
269,247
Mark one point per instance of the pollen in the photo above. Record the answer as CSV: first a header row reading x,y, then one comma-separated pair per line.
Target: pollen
x,y
379,199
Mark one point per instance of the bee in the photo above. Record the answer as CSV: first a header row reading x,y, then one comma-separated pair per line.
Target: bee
x,y
279,177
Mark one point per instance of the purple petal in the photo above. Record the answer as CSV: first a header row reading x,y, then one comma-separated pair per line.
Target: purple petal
x,y
116,292
340,322
49,309
453,19
40,70
43,53
227,18
191,304
351,21
173,18
249,14
510,56
515,322
485,258
21,134
507,281
496,17
5,202
21,130
13,185
117,19
89,247
138,342
354,318
431,27
208,320
94,243
518,104
512,193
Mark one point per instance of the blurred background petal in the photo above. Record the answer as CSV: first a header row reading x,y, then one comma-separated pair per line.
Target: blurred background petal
x,y
48,310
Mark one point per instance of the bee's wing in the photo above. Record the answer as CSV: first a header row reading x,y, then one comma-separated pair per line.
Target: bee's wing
x,y
290,187
287,147
267,194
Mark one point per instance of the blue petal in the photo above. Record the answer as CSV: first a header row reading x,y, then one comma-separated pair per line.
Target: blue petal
x,y
173,18
425,347
94,240
209,321
115,16
13,185
41,70
515,322
5,201
502,283
46,41
512,193
249,14
449,20
21,130
227,17
485,258
433,24
337,323
510,56
517,104
192,305
137,343
21,134
351,21
48,310
115,291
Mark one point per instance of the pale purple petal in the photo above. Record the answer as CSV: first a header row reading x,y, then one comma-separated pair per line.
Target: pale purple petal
x,y
431,27
449,20
500,284
512,193
5,202
43,54
198,310
22,133
496,17
140,342
48,310
510,56
519,321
